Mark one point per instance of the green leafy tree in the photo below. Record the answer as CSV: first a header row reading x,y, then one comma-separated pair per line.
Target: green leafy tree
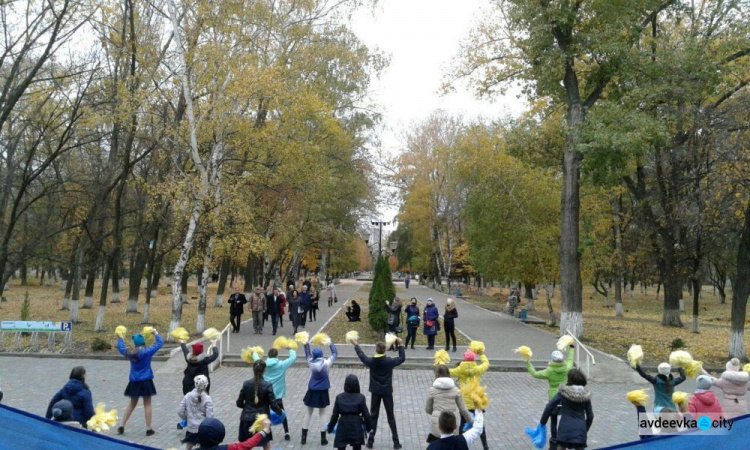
x,y
382,291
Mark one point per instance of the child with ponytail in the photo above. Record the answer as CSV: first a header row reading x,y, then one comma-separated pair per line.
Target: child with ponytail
x,y
256,397
195,407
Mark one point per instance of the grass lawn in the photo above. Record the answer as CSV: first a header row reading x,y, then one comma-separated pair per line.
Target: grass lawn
x,y
340,325
641,323
46,302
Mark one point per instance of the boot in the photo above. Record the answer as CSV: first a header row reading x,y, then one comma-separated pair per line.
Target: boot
x,y
304,437
454,349
323,440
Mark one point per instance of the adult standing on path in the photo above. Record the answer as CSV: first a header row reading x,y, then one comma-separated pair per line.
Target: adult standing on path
x,y
275,308
317,389
77,392
451,313
381,386
276,375
412,322
431,323
394,316
305,303
258,306
331,293
141,384
236,309
295,309
407,278
314,299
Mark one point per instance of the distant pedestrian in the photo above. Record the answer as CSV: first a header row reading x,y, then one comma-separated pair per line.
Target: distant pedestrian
x,y
451,314
141,384
282,308
306,304
431,324
412,322
77,392
353,311
256,397
314,299
236,309
275,308
317,389
331,294
195,407
444,396
350,416
276,375
258,307
407,279
394,316
295,310
573,401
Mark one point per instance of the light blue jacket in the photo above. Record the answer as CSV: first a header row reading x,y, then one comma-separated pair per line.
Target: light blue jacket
x,y
320,366
276,372
140,364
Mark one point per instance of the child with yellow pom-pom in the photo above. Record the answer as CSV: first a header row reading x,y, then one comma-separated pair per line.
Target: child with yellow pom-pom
x,y
276,371
195,407
256,398
639,399
467,371
663,383
573,401
317,388
198,363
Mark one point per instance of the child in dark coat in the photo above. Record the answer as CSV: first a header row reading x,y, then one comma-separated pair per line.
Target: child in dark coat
x,y
256,397
351,413
197,364
576,415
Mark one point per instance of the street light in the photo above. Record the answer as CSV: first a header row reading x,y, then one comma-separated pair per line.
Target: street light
x,y
380,235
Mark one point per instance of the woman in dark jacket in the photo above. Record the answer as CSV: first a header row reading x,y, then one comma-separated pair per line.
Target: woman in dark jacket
x,y
314,299
77,392
197,364
256,397
431,324
576,415
353,417
394,315
412,322
294,309
451,314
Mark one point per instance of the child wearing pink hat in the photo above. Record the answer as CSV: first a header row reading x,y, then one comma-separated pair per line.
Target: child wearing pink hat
x,y
468,370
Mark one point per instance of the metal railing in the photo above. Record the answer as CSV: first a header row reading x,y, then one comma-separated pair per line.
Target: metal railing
x,y
589,356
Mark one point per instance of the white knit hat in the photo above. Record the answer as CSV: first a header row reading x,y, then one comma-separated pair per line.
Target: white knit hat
x,y
664,369
201,383
557,356
733,365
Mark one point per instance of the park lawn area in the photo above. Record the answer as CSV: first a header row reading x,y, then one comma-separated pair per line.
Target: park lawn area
x,y
340,325
46,302
641,324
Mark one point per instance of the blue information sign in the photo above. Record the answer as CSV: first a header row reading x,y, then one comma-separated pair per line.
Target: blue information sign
x,y
35,326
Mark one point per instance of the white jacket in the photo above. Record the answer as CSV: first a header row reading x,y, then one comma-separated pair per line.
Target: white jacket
x,y
195,412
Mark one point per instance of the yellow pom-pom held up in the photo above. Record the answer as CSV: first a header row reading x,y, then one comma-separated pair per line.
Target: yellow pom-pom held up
x,y
442,357
180,334
280,342
635,355
525,352
680,358
390,339
257,426
693,369
477,393
352,336
292,344
477,347
302,337
148,333
247,355
121,331
258,350
564,342
211,334
637,397
680,398
746,368
321,340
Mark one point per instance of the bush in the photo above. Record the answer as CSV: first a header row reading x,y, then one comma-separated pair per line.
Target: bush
x,y
677,344
100,345
382,290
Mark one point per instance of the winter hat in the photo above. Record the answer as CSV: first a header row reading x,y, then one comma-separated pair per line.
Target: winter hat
x,y
703,382
733,365
430,301
664,369
470,356
62,411
139,340
197,348
449,304
210,433
557,356
201,382
317,353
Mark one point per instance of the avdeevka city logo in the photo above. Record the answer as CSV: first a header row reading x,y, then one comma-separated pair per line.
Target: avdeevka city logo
x,y
704,423
650,424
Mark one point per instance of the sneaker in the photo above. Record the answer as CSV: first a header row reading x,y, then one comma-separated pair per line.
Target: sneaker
x,y
120,430
287,437
370,444
397,445
150,432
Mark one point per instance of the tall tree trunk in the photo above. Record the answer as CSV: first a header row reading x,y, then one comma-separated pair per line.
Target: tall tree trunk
x,y
549,293
200,323
226,262
740,292
617,229
248,274
136,277
156,278
672,291
696,297
99,326
88,295
76,294
150,274
116,280
184,285
71,274
24,275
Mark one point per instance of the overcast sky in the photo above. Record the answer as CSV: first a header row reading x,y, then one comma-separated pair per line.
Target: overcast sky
x,y
421,37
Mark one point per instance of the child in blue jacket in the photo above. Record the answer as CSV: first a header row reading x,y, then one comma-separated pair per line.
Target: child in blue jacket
x,y
317,389
141,382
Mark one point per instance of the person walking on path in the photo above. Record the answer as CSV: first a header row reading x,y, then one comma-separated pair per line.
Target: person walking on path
x,y
256,397
734,383
556,373
236,309
257,307
412,322
468,370
444,396
77,392
449,441
317,389
197,364
274,307
295,310
663,383
314,299
431,323
305,303
276,375
451,314
351,415
331,294
407,279
381,385
282,307
141,384
195,407
394,316
573,401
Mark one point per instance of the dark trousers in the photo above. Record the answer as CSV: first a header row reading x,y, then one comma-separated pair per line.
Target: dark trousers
x,y
450,332
303,318
431,340
375,412
330,301
354,447
280,402
313,313
483,436
411,333
244,430
553,426
281,320
274,322
235,320
352,317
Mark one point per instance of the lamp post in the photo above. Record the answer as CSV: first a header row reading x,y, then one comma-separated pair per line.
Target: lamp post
x,y
380,233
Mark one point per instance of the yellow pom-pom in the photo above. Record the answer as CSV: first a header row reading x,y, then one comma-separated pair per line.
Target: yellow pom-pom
x,y
477,347
102,420
247,355
292,344
635,355
280,342
390,339
321,340
693,369
351,336
746,368
258,350
477,393
121,331
257,426
680,358
564,342
180,334
211,334
525,352
637,397
680,398
442,357
302,337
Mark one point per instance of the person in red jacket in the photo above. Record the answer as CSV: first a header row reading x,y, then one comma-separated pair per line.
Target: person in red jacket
x,y
704,401
211,432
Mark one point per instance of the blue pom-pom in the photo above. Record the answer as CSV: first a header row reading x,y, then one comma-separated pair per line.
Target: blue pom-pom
x,y
183,423
277,419
467,425
537,435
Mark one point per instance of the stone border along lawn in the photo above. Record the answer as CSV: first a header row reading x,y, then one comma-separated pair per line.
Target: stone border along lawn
x,y
339,325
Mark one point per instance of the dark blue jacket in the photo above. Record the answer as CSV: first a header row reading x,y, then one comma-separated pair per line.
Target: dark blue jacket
x,y
305,300
381,370
140,364
431,313
412,311
76,393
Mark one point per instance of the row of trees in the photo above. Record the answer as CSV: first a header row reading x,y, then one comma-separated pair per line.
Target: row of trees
x,y
638,122
144,138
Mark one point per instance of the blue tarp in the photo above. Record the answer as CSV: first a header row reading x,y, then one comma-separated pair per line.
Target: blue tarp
x,y
737,438
21,430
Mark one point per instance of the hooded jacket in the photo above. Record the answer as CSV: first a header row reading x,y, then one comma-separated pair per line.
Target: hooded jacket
x,y
199,367
704,402
467,371
733,385
445,396
194,411
140,365
266,400
662,391
320,367
575,417
76,393
556,373
351,413
276,372
381,370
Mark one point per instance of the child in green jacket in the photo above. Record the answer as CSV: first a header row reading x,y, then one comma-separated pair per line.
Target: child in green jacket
x,y
556,374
